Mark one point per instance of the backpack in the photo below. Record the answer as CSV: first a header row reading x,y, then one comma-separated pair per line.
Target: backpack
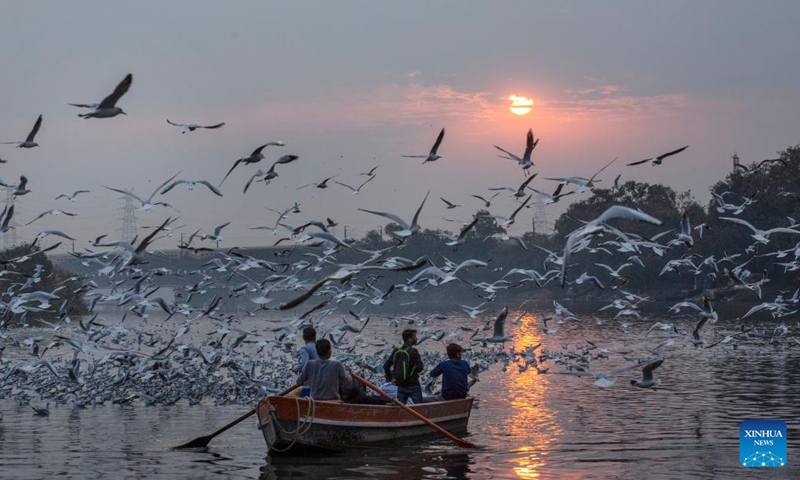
x,y
402,369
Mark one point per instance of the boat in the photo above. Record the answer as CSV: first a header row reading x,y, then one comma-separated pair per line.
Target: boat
x,y
293,423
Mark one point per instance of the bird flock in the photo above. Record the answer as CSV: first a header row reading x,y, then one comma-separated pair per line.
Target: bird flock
x,y
178,350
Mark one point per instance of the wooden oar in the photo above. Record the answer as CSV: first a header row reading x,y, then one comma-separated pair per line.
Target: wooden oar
x,y
202,442
458,441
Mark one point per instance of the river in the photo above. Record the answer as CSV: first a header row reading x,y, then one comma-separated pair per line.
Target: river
x,y
526,424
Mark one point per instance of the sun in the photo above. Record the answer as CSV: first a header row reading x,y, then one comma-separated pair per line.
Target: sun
x,y
520,105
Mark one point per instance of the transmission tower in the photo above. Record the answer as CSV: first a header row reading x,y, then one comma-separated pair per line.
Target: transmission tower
x,y
540,223
735,158
128,228
10,237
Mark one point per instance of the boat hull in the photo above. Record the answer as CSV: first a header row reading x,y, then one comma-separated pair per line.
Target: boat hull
x,y
291,423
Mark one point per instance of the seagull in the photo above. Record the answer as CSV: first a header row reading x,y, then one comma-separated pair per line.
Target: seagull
x,y
51,212
217,235
29,143
371,172
647,375
449,205
107,108
595,227
548,199
190,184
254,157
753,170
146,204
761,236
524,161
657,160
407,230
518,192
462,236
488,203
584,184
433,155
507,222
191,127
617,187
322,184
498,335
601,378
42,411
22,188
72,197
355,191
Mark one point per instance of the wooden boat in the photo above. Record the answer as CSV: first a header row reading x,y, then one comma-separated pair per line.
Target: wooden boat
x,y
290,423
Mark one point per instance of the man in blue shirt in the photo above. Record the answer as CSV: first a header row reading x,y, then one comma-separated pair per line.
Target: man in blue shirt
x,y
454,374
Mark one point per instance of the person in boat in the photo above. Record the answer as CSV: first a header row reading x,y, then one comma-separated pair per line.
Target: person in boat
x,y
307,351
454,372
355,392
323,375
403,367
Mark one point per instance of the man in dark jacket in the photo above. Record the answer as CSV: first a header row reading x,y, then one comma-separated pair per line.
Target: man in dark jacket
x,y
403,367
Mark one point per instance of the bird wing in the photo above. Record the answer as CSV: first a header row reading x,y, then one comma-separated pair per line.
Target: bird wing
x,y
286,159
35,129
741,222
345,185
125,192
213,126
176,124
407,156
529,144
111,100
618,211
237,162
647,371
438,142
146,241
674,152
416,215
389,215
213,189
499,323
511,156
639,162
150,198
171,186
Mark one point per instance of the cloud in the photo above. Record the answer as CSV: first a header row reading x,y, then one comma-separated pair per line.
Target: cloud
x,y
604,103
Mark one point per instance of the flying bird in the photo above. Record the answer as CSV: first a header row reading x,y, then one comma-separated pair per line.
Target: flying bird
x,y
254,157
753,170
433,155
355,191
761,236
488,203
29,143
407,230
108,107
657,160
22,187
449,205
647,380
51,212
191,127
72,197
322,184
190,185
525,160
146,204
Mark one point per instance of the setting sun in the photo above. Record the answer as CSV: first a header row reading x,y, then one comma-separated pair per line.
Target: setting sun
x,y
520,105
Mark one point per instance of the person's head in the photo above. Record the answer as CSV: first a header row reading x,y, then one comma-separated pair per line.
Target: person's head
x,y
323,348
454,351
309,334
410,336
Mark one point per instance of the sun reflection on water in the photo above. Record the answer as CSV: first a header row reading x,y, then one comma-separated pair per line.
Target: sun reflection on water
x,y
530,419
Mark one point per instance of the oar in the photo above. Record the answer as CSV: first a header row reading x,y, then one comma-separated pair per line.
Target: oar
x,y
458,441
202,442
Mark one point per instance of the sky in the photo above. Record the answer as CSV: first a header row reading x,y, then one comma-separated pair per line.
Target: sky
x,y
350,85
